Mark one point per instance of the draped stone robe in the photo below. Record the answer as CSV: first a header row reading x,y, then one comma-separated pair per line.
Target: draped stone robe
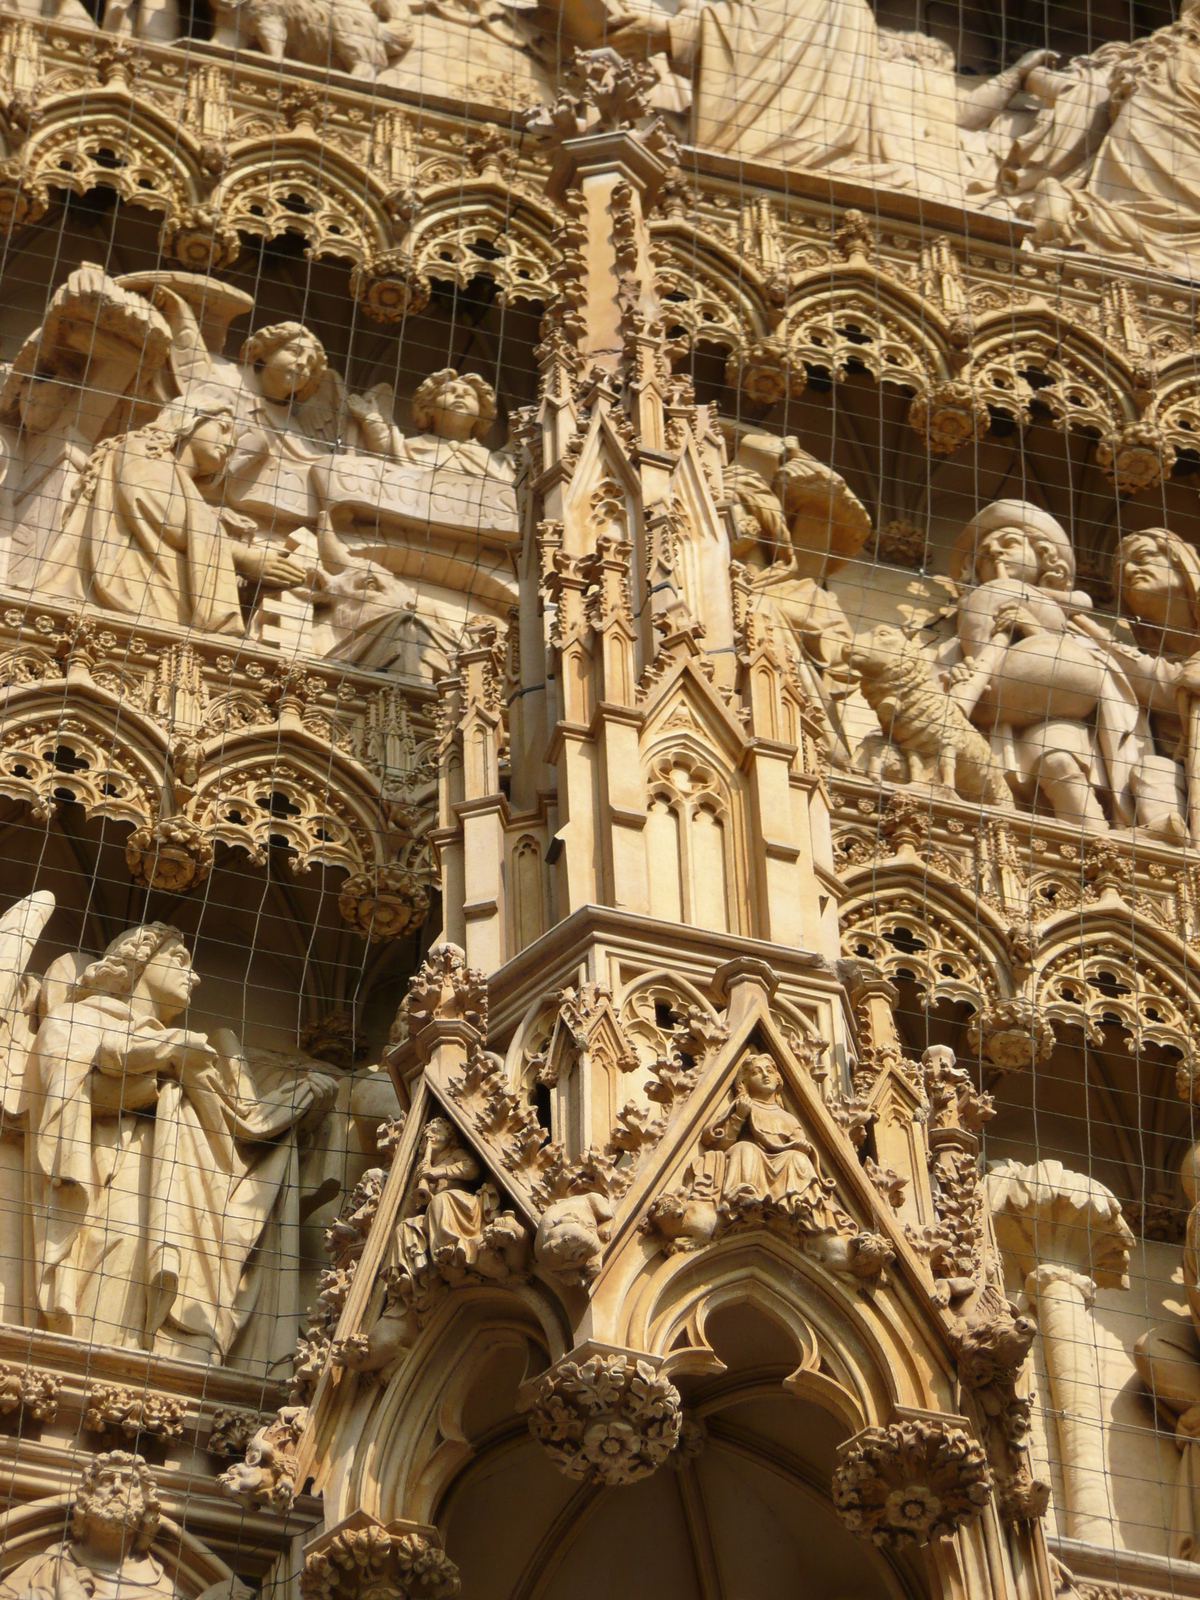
x,y
161,1206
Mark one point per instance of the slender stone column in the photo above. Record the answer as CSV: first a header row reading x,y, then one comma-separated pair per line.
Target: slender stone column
x,y
1066,1233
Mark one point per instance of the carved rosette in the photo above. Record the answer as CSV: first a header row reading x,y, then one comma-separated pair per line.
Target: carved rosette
x,y
384,902
1012,1035
198,239
949,416
765,373
389,287
400,1562
918,1479
173,855
1136,457
609,1419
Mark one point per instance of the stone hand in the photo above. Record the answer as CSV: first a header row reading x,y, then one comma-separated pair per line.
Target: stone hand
x,y
1031,60
1189,676
271,568
1014,617
639,33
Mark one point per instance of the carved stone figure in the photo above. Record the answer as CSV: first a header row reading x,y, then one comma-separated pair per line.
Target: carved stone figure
x,y
99,345
796,521
106,1555
454,411
1136,196
1032,669
1157,579
156,1230
361,37
572,1234
770,1164
143,537
926,738
459,1230
458,1233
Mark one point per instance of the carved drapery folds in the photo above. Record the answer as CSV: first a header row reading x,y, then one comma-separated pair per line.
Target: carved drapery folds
x,y
918,1479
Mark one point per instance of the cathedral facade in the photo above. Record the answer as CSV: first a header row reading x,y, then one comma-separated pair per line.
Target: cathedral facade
x,y
587,589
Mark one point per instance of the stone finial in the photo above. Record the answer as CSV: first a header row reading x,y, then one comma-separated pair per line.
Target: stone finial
x,y
444,989
920,1478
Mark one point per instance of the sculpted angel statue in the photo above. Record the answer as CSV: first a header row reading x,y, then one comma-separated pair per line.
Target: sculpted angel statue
x,y
162,1165
454,412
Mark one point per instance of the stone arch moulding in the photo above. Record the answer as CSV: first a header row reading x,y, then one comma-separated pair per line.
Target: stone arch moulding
x,y
413,1445
851,1360
1097,969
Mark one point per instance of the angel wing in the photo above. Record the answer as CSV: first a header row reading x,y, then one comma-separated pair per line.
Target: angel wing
x,y
20,929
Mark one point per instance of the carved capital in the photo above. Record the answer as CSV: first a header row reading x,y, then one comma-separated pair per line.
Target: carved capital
x,y
1012,1035
1050,1219
389,287
918,1479
112,1409
29,1390
362,1558
603,1415
949,416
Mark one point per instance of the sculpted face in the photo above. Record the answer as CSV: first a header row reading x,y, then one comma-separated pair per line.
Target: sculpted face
x,y
1007,553
455,409
111,1512
211,443
1149,580
760,1077
283,371
169,980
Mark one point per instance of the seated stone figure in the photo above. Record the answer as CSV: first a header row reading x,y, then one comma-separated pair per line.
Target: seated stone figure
x,y
770,1166
143,538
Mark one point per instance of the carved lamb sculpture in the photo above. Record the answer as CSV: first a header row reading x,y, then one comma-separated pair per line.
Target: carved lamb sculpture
x,y
926,737
360,36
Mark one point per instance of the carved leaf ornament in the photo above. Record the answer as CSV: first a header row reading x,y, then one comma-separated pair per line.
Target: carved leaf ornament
x,y
913,1481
